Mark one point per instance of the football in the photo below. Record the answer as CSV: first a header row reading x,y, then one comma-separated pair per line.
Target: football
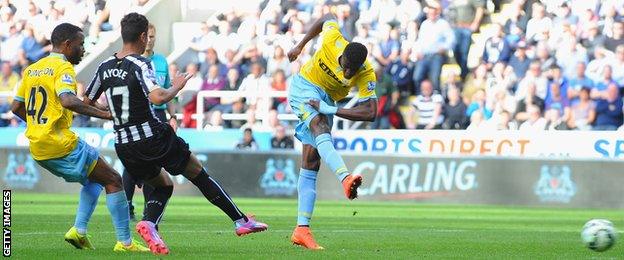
x,y
599,235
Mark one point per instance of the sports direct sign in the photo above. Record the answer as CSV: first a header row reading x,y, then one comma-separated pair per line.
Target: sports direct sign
x,y
565,144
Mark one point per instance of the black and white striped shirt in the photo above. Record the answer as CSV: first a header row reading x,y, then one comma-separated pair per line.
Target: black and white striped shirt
x,y
127,83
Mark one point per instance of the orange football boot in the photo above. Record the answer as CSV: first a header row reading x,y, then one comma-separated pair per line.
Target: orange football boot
x,y
350,185
302,236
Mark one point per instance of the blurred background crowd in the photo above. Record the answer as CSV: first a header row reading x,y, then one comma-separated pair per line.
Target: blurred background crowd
x,y
449,64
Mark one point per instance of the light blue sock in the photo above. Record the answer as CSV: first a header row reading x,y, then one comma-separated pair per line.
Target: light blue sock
x,y
118,208
306,190
86,205
328,153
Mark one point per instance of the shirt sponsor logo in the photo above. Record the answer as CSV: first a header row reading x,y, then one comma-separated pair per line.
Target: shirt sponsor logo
x,y
330,73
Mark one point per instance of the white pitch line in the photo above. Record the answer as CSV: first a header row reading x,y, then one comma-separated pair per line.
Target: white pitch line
x,y
270,230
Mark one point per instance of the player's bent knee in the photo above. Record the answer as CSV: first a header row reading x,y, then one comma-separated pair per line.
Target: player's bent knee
x,y
312,164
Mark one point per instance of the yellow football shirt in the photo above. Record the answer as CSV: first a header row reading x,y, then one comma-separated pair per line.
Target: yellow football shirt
x,y
324,70
47,121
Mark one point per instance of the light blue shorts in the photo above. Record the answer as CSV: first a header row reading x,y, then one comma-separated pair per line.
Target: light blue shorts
x,y
300,91
74,167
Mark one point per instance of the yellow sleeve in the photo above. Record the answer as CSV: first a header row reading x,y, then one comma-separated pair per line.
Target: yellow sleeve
x,y
331,31
366,84
20,92
65,81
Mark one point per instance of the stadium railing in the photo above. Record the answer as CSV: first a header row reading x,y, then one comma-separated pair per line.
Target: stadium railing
x,y
260,114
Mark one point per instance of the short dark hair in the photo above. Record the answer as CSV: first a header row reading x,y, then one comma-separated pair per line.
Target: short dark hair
x,y
247,130
355,53
132,25
64,32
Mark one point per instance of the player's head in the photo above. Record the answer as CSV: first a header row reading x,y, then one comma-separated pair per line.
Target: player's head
x,y
134,30
352,58
151,37
68,40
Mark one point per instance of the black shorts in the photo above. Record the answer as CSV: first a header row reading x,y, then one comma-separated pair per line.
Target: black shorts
x,y
144,158
161,115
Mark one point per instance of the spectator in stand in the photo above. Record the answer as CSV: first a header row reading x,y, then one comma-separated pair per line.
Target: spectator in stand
x,y
203,41
466,16
279,61
554,121
558,100
534,122
280,140
515,24
32,48
539,24
435,39
363,35
255,83
454,111
569,54
533,77
387,50
387,94
212,59
253,123
216,121
595,67
278,83
530,99
609,110
213,82
519,62
8,77
248,142
578,82
505,122
188,96
600,89
583,112
556,77
173,68
250,56
231,104
618,62
10,46
544,57
429,107
593,39
479,104
616,38
477,122
401,71
477,81
496,49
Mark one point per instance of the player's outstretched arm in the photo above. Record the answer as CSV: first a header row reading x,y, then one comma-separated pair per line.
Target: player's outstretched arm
x,y
364,111
161,96
19,109
73,103
316,29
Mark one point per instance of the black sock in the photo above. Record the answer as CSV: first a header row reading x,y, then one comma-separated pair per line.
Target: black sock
x,y
156,203
217,196
128,184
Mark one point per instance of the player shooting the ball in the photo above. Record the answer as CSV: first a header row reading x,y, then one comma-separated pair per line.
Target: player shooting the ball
x,y
336,67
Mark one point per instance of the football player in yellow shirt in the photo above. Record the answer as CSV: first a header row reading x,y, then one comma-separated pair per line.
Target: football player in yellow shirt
x,y
336,67
46,100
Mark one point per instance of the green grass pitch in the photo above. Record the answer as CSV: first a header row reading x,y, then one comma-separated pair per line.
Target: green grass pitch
x,y
194,229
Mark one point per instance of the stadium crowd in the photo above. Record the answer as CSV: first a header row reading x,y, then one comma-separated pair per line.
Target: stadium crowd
x,y
542,65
